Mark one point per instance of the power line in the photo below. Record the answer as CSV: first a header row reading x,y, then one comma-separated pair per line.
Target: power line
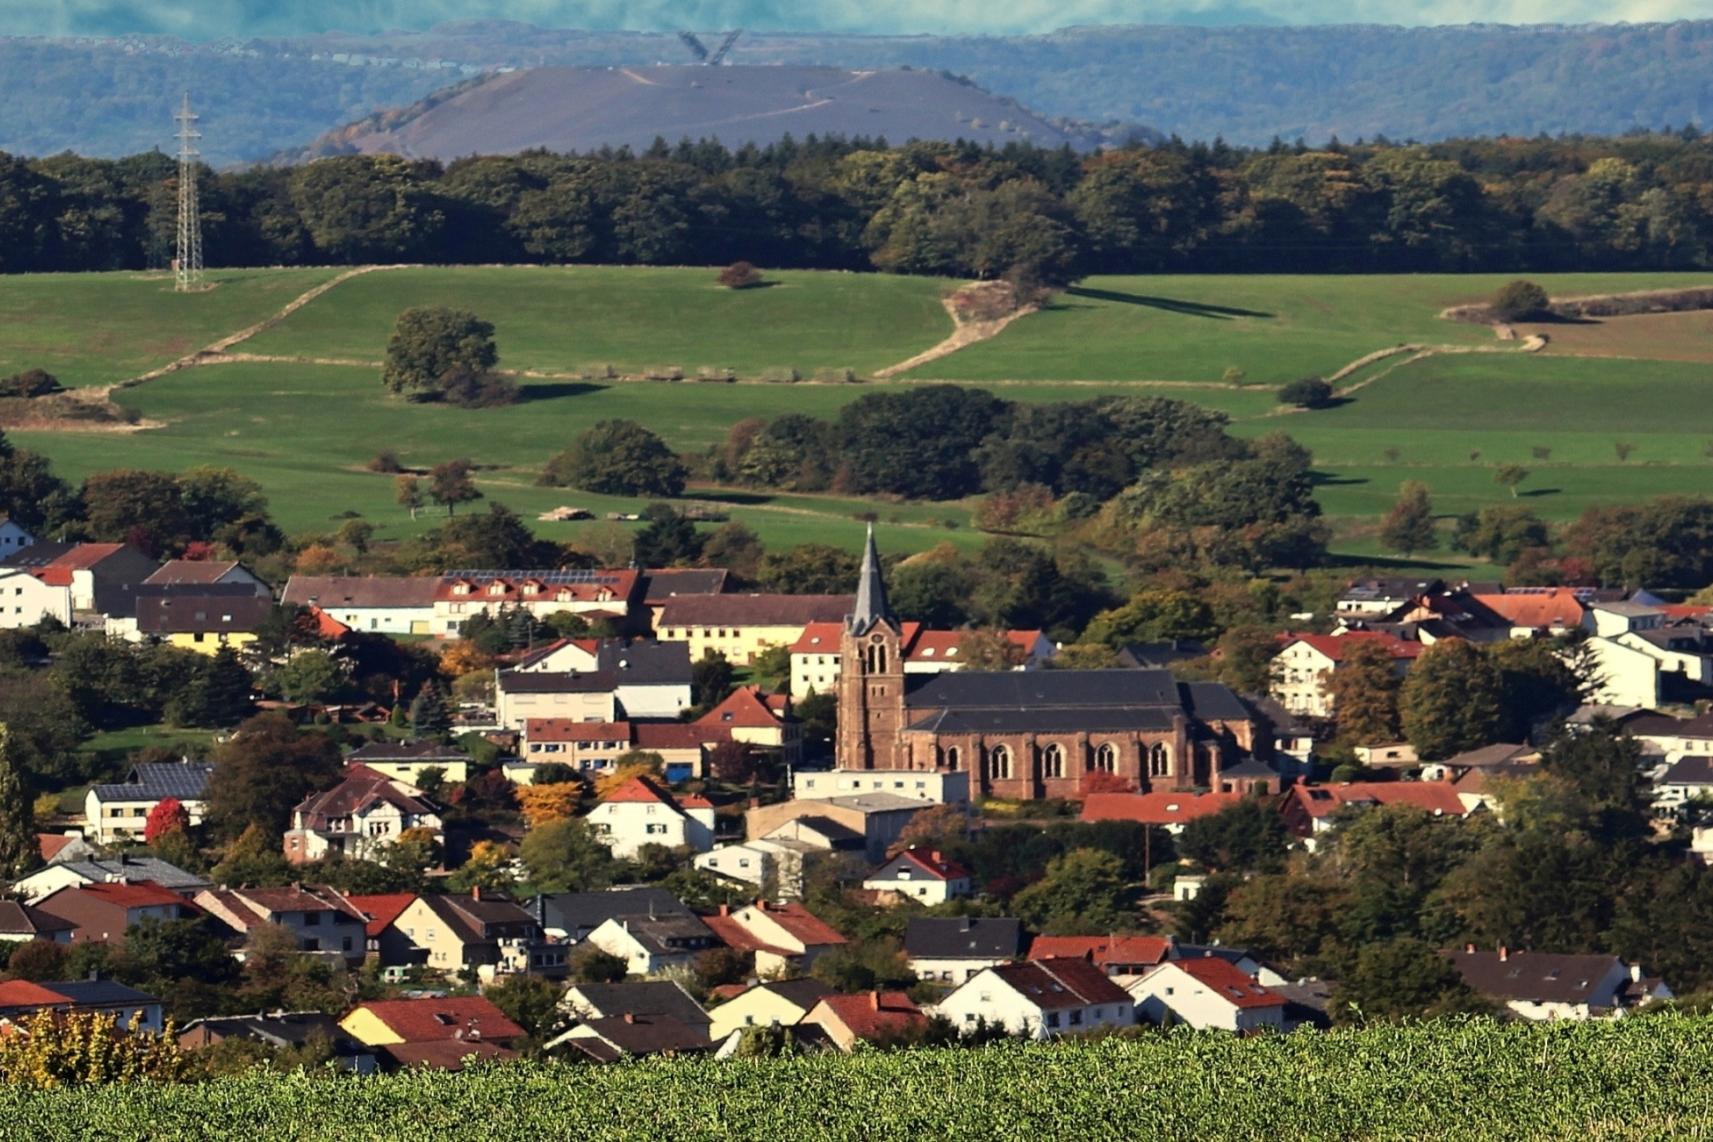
x,y
187,267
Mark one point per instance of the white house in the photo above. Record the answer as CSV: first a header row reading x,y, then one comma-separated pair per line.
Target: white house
x,y
593,595
925,877
363,813
952,949
123,869
786,938
650,945
406,761
1625,675
25,601
323,921
815,656
941,787
119,811
761,862
1041,999
1300,669
390,605
640,813
1549,986
1208,993
208,573
607,681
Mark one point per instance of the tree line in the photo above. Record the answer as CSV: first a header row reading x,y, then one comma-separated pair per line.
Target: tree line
x,y
934,208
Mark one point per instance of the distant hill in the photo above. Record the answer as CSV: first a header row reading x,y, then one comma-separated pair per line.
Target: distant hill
x,y
1247,84
584,109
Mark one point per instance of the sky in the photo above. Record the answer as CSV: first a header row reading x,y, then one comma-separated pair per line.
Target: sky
x,y
210,19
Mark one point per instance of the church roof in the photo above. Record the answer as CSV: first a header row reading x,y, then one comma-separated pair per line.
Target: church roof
x,y
871,604
1035,689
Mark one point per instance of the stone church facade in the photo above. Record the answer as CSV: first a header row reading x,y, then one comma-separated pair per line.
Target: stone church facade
x,y
1028,734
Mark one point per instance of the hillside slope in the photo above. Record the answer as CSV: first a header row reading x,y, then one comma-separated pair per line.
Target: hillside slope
x,y
583,109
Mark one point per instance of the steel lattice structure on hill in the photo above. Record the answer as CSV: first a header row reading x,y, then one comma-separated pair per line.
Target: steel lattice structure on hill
x,y
187,266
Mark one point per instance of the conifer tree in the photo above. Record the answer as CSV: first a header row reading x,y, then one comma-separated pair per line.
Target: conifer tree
x,y
428,716
1408,527
19,850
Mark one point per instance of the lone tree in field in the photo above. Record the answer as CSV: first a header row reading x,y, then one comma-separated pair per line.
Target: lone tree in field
x,y
618,458
432,343
1309,392
1624,449
410,494
740,275
1408,527
1508,476
1519,301
450,484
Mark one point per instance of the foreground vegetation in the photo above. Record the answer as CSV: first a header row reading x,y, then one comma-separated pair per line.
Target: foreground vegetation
x,y
1638,1078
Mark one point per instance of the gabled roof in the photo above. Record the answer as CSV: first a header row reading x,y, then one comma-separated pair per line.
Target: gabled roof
x,y
464,1018
381,909
52,844
20,920
1541,608
136,894
801,993
133,868
361,789
664,583
1664,726
803,925
931,865
416,751
753,610
202,613
1156,808
268,902
1490,756
21,994
154,781
17,993
83,557
514,586
677,735
667,935
1543,977
468,917
194,571
584,911
371,593
871,1015
1058,984
963,937
571,730
633,1035
1691,769
1337,646
1103,951
661,998
744,707
1228,983
443,1055
1436,797
640,790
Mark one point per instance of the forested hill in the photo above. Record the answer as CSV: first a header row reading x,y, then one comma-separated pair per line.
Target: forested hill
x,y
1245,84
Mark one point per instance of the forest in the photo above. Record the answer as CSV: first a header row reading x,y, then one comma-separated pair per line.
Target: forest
x,y
1640,201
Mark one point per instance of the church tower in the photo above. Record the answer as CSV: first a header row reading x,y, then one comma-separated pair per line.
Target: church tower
x,y
871,676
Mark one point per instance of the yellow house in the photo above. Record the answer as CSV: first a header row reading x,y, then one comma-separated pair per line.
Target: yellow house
x,y
204,621
742,626
468,1018
779,1004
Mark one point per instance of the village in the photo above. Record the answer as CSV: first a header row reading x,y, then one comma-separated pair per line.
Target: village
x,y
678,817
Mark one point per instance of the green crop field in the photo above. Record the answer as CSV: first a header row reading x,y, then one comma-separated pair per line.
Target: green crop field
x,y
1641,1077
569,319
92,329
305,430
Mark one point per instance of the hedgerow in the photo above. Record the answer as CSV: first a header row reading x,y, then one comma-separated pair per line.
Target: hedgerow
x,y
1639,1077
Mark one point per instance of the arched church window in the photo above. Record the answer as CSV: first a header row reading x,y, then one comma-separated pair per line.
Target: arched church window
x,y
998,763
1106,758
1053,761
1159,761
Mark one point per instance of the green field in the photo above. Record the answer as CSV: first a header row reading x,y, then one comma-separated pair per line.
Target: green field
x,y
306,430
1642,1077
570,319
1274,328
92,329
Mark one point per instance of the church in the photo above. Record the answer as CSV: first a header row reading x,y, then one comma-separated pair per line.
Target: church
x,y
1029,734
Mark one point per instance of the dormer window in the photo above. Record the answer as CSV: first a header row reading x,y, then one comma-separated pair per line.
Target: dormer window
x,y
497,589
461,589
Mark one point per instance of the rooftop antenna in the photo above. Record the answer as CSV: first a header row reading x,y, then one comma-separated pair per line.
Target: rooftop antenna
x,y
187,267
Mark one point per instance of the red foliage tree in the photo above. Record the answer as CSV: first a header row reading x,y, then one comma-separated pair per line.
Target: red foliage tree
x,y
731,761
168,816
1100,781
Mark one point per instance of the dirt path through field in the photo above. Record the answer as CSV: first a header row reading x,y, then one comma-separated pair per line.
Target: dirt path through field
x,y
963,333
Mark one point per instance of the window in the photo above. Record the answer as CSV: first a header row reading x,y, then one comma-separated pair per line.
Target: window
x,y
1106,758
311,919
1076,1018
998,763
1052,1018
1159,761
1053,761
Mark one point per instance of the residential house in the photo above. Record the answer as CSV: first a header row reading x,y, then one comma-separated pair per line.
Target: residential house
x,y
1670,738
439,1033
937,787
323,922
761,720
664,999
633,1037
1686,779
203,620
1207,994
950,950
571,916
1304,662
595,747
103,577
123,869
1120,957
926,877
879,818
26,600
363,814
1161,655
1242,959
1292,735
1377,598
388,605
867,1017
487,934
1168,811
775,1003
102,913
649,947
66,846
1500,756
648,679
1537,612
640,812
1547,985
20,922
742,626
1040,999
281,1030
661,585
778,862
816,656
383,939
119,811
131,1010
13,538
406,761
785,938
611,596
1311,810
208,573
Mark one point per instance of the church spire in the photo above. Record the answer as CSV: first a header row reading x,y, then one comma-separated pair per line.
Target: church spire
x,y
871,605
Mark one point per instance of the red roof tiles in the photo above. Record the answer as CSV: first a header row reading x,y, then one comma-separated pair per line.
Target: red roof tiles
x,y
1228,983
381,910
744,707
1103,951
1156,808
1539,610
1429,796
1336,646
465,1017
871,1014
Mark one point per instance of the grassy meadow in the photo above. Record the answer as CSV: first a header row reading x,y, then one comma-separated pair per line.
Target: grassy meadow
x,y
307,430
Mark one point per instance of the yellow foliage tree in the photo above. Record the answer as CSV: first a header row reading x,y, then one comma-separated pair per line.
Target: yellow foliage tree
x,y
49,1049
540,804
463,658
318,559
636,763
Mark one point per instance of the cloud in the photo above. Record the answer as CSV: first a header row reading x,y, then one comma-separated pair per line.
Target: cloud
x,y
205,19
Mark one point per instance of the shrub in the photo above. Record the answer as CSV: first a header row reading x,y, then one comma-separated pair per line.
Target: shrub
x,y
1519,301
618,458
784,375
386,461
31,383
469,388
1309,392
740,275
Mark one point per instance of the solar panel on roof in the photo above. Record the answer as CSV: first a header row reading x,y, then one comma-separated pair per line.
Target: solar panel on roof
x,y
555,577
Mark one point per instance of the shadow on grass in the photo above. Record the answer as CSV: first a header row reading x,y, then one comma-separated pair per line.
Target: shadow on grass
x,y
1169,304
1391,562
743,499
553,390
1323,480
1533,492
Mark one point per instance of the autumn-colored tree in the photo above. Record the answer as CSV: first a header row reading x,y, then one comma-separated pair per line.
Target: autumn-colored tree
x,y
540,804
1364,693
990,650
1100,781
60,1049
731,761
168,816
465,657
318,559
931,828
634,763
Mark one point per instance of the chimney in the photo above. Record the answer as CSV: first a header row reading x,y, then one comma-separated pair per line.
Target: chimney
x,y
874,1000
475,892
1469,949
1636,973
630,1017
725,909
1504,953
936,857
